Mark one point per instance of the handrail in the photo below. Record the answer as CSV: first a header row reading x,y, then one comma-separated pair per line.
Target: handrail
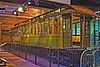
x,y
3,61
3,44
96,49
94,62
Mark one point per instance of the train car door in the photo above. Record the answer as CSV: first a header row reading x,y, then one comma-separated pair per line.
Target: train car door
x,y
66,30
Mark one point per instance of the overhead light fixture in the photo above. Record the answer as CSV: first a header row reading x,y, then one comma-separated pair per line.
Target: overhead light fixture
x,y
20,9
15,13
29,2
97,11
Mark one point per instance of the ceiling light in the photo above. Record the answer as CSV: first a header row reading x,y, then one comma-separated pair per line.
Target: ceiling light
x,y
29,2
20,9
97,12
15,12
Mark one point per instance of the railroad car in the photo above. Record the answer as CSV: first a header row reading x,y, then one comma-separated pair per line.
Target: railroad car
x,y
68,26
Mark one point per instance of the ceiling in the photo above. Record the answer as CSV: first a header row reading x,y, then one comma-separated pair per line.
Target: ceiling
x,y
87,3
51,4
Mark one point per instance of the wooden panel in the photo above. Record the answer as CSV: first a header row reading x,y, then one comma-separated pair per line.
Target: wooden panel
x,y
6,38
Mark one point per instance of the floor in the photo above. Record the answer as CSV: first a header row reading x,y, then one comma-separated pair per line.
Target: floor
x,y
16,61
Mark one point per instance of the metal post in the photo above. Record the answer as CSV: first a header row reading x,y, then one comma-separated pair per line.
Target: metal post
x,y
71,21
50,57
81,24
94,31
35,54
5,48
19,50
84,31
25,52
13,48
59,57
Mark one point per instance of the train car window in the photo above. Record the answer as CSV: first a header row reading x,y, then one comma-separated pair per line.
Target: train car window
x,y
42,28
6,32
50,25
46,27
55,26
30,28
16,31
78,28
38,29
22,30
34,29
76,25
73,29
27,30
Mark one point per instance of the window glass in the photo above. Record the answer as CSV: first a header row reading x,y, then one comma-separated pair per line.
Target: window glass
x,y
78,28
73,29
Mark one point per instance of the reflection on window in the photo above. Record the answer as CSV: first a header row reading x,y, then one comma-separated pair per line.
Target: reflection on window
x,y
73,29
78,28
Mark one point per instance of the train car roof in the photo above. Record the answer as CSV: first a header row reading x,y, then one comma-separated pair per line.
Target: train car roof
x,y
83,10
75,8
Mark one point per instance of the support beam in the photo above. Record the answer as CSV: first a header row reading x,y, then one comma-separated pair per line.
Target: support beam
x,y
62,1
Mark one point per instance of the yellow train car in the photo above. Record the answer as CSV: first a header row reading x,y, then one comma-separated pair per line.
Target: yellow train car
x,y
67,26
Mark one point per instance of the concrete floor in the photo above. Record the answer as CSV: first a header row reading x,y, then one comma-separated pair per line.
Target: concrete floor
x,y
16,61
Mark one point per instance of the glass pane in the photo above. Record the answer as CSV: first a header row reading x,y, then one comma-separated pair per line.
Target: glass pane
x,y
73,29
78,28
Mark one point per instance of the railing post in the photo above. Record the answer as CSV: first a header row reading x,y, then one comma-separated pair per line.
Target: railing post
x,y
18,50
36,55
59,57
5,48
50,57
13,48
26,52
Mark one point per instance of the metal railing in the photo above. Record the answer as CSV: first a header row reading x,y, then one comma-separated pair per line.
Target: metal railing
x,y
2,62
91,54
46,57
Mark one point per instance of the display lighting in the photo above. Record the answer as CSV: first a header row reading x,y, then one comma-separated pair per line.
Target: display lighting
x,y
20,9
29,2
35,2
15,13
97,12
62,9
57,10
